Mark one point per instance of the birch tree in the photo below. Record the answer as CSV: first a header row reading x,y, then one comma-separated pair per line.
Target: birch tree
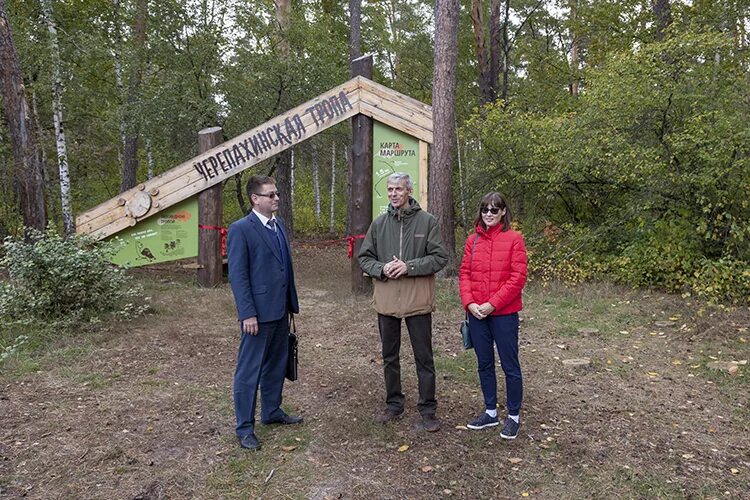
x,y
57,116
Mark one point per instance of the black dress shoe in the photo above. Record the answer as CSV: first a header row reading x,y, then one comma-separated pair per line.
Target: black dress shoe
x,y
286,420
249,442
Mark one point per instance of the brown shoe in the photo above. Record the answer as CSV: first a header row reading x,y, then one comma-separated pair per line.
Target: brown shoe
x,y
430,422
388,415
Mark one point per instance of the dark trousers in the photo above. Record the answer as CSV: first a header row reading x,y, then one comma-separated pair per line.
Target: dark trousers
x,y
500,331
420,334
261,361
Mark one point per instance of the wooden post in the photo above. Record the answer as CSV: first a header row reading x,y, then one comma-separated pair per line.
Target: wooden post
x,y
210,210
361,194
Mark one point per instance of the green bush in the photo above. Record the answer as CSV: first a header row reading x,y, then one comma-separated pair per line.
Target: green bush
x,y
57,279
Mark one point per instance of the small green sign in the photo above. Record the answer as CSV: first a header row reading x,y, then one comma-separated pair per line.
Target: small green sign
x,y
393,151
171,234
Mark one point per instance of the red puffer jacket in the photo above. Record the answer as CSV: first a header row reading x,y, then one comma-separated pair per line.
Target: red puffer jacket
x,y
496,272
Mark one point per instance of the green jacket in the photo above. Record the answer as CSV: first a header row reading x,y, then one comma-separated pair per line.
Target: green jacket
x,y
413,236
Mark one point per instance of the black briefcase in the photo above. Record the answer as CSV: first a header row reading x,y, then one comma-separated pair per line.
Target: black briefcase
x,y
292,360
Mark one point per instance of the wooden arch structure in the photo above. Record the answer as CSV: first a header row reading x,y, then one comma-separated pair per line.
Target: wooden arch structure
x,y
357,96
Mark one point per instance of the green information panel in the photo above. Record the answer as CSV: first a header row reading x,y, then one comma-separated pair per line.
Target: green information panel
x,y
169,235
393,151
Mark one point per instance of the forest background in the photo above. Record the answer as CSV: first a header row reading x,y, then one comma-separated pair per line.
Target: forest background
x,y
618,130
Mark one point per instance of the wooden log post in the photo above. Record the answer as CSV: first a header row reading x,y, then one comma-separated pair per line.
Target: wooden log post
x,y
210,211
361,182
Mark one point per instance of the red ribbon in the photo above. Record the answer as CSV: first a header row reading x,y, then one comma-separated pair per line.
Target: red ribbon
x,y
351,240
222,232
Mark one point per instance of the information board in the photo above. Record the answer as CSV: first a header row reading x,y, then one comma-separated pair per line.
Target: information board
x,y
169,235
393,151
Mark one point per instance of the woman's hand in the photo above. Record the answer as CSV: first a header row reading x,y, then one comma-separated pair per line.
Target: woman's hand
x,y
486,309
474,310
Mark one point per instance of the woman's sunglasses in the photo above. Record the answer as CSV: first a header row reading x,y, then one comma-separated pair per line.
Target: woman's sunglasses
x,y
492,210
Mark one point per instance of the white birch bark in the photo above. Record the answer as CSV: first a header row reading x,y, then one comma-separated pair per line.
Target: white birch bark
x,y
332,225
57,114
316,178
291,176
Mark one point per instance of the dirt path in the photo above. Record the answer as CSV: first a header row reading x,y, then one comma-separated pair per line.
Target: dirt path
x,y
143,409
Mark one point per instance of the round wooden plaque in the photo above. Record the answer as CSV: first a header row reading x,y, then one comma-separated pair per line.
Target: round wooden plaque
x,y
139,204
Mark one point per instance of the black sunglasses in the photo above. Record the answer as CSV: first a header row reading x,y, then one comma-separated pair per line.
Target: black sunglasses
x,y
492,210
272,194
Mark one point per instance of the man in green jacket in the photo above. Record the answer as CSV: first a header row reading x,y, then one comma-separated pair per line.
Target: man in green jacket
x,y
402,251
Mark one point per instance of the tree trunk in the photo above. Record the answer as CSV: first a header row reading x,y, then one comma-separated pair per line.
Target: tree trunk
x,y
332,225
574,48
355,33
506,51
132,128
663,13
284,174
21,130
495,47
480,49
57,114
117,59
443,118
47,177
316,178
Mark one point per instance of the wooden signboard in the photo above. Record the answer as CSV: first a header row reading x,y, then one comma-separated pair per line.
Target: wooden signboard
x,y
358,95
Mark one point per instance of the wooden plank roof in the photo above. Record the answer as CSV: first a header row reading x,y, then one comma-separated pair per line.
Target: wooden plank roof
x,y
358,95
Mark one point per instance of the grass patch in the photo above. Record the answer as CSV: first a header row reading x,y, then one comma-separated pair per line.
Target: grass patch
x,y
88,379
565,310
270,472
462,367
629,483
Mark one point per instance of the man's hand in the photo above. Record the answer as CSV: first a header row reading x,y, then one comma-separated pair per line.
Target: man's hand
x,y
250,325
395,268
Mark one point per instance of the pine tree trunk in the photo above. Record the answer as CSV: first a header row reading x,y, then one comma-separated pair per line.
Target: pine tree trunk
x,y
132,128
663,12
57,114
495,48
443,117
574,48
355,33
480,49
21,130
284,167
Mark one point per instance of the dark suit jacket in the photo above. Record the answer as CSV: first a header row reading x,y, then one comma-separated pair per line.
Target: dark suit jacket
x,y
260,285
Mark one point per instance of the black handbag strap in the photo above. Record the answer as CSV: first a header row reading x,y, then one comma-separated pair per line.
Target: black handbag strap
x,y
292,326
476,237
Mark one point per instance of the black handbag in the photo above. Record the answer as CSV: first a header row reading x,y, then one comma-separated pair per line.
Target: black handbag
x,y
292,361
466,334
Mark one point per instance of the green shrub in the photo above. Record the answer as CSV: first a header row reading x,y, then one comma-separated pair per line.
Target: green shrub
x,y
57,279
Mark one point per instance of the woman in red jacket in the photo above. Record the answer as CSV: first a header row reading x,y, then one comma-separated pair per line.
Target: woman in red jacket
x,y
493,273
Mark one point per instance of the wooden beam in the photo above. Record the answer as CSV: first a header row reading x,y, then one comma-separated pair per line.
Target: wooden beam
x,y
395,121
225,160
210,212
423,173
361,181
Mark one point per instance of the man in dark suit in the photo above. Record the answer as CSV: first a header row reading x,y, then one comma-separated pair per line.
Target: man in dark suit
x,y
262,278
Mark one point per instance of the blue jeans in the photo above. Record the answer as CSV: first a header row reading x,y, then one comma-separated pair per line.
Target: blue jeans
x,y
500,331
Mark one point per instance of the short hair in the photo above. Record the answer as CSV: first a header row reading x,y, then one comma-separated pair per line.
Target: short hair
x,y
494,199
256,183
397,177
